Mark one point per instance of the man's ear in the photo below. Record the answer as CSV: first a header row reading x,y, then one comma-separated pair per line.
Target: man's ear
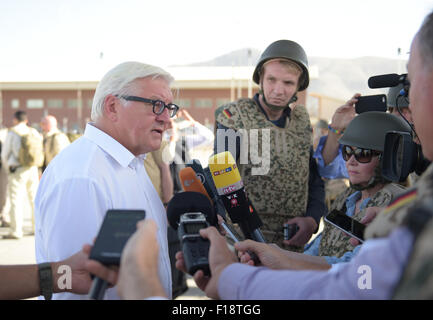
x,y
111,105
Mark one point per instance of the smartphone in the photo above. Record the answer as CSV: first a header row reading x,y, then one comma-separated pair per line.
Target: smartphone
x,y
347,224
116,229
371,103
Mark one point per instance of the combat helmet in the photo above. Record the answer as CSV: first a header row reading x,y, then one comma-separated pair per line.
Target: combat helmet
x,y
285,49
395,97
368,130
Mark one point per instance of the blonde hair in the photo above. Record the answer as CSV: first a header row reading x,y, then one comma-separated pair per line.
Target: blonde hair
x,y
291,65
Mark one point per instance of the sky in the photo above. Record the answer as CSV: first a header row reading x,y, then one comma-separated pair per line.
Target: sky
x,y
82,39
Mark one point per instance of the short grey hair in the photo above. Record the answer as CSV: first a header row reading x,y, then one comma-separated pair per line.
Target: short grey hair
x,y
120,79
425,40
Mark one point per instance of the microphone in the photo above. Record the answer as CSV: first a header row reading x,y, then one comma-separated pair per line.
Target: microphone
x,y
188,213
387,80
193,184
190,182
189,201
206,179
230,188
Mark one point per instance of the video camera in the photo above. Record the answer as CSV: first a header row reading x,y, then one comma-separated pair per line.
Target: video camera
x,y
401,155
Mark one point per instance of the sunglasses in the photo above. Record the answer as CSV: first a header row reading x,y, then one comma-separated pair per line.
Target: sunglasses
x,y
361,155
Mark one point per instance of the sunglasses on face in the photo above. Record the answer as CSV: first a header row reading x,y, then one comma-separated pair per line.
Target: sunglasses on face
x,y
158,105
361,155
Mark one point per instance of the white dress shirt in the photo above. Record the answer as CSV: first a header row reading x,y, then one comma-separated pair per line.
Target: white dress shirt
x,y
92,175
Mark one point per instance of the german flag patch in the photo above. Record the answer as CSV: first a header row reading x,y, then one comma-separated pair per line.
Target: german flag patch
x,y
401,201
227,113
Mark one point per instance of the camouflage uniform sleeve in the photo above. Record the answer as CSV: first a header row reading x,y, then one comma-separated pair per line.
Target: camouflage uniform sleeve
x,y
228,116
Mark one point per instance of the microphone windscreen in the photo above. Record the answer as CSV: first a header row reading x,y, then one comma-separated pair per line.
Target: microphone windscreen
x,y
190,182
384,81
225,173
188,201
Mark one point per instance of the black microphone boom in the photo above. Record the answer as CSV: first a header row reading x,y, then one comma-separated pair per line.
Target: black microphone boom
x,y
387,80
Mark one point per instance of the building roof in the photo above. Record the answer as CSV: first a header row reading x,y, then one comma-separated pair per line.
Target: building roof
x,y
202,77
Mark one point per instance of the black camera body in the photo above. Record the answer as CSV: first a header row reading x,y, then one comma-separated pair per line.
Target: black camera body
x,y
402,156
195,248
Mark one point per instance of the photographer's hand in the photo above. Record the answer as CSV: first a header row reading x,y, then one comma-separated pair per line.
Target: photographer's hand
x,y
340,120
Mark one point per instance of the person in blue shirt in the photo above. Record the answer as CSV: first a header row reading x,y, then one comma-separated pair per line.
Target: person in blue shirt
x,y
328,153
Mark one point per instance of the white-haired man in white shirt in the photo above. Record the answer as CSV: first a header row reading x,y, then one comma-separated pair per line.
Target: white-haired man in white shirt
x,y
104,169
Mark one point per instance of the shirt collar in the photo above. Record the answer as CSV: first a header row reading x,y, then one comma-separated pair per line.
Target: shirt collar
x,y
351,202
111,146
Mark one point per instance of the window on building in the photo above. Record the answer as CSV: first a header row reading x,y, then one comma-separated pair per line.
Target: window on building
x,y
15,103
183,103
222,101
55,103
35,104
73,103
89,103
203,103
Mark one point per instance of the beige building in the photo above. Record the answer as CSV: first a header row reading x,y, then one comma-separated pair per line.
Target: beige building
x,y
198,89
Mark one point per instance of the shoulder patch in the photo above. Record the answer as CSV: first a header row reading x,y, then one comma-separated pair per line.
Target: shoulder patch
x,y
401,201
227,113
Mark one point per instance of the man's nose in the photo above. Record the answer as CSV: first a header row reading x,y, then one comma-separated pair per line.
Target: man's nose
x,y
164,116
278,88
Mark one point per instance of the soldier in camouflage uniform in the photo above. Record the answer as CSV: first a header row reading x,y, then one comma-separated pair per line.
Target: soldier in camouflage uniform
x,y
287,184
366,132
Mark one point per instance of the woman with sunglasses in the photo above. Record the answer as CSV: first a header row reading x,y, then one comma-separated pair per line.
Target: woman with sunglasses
x,y
362,148
363,145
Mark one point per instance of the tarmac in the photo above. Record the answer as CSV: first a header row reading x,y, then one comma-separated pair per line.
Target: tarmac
x,y
22,251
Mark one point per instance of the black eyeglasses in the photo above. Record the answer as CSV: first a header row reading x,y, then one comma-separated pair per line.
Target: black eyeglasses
x,y
361,155
158,105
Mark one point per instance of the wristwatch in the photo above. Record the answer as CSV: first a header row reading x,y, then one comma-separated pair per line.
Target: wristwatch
x,y
46,280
